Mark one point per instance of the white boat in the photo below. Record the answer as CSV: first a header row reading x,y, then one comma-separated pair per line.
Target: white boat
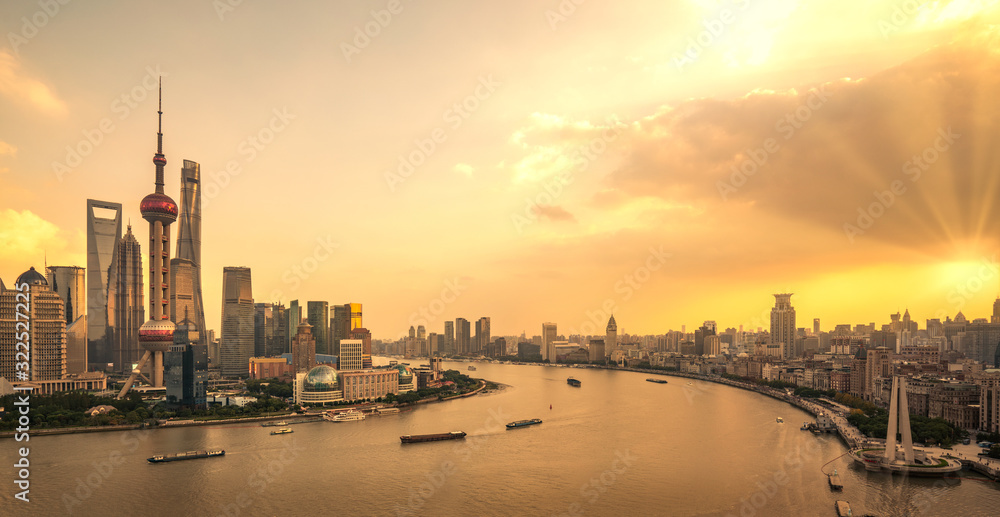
x,y
350,415
781,420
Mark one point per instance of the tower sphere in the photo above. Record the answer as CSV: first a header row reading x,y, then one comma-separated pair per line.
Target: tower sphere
x,y
158,207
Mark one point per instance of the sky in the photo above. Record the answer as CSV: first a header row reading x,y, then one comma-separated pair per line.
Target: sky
x,y
531,161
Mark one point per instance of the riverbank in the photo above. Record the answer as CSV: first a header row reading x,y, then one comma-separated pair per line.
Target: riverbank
x,y
291,418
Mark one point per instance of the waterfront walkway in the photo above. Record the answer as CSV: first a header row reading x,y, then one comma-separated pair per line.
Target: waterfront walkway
x,y
852,437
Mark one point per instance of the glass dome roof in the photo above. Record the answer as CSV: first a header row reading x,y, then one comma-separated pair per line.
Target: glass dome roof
x,y
31,277
322,378
405,374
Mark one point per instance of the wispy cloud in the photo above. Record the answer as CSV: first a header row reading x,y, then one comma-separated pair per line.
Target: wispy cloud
x,y
24,89
6,148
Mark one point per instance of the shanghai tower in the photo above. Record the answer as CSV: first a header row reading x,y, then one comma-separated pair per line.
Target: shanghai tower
x,y
186,298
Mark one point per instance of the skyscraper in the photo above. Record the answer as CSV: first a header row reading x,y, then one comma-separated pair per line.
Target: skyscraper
x,y
549,337
303,349
46,329
185,370
463,336
815,325
125,303
449,337
482,335
157,334
294,319
346,318
263,329
318,314
70,283
237,321
104,228
279,344
611,336
189,245
783,323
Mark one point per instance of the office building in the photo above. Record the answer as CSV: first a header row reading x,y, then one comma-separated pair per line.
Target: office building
x,y
104,228
70,283
597,354
463,336
783,324
263,328
611,336
185,368
351,354
294,319
125,303
189,248
303,349
449,338
548,338
236,346
280,343
46,321
482,335
365,337
318,314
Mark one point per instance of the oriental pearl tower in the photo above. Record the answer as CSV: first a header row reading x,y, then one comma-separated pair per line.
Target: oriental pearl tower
x,y
157,334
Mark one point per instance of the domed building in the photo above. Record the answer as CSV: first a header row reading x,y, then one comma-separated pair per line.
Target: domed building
x,y
31,277
407,380
319,386
323,384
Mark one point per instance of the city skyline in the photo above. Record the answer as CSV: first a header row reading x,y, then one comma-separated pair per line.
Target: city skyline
x,y
687,200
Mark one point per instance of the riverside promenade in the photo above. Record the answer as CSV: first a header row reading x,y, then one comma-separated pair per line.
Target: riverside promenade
x,y
852,437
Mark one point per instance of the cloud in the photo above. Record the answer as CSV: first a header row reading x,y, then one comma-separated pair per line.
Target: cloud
x,y
25,238
464,168
21,88
6,148
553,145
555,213
819,155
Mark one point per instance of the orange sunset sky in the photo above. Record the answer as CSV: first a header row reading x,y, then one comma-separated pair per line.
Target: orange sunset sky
x,y
676,161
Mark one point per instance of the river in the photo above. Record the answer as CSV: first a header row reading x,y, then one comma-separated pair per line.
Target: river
x,y
617,445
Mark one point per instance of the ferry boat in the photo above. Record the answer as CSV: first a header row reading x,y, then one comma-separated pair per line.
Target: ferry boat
x,y
523,423
780,420
190,455
419,438
283,430
573,382
843,508
351,415
835,483
472,368
274,424
658,381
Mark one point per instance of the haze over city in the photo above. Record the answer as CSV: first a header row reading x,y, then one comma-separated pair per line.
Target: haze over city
x,y
683,160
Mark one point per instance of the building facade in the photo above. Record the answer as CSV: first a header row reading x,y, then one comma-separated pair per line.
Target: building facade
x,y
189,244
104,229
70,283
45,332
783,323
236,346
126,307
